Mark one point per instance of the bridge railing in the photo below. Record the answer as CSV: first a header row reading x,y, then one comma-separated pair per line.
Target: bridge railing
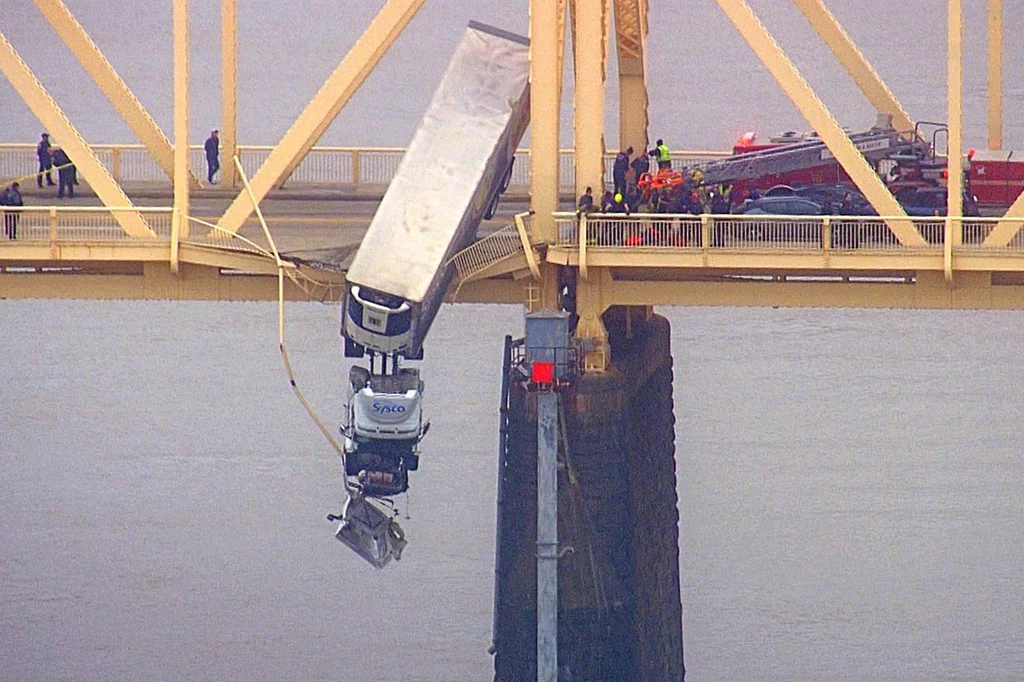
x,y
772,233
54,225
354,167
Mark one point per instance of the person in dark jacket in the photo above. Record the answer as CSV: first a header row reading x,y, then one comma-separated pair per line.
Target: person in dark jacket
x,y
641,164
619,170
11,197
45,162
619,204
212,147
65,173
586,203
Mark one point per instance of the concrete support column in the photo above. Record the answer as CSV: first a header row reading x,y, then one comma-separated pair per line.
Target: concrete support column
x,y
545,107
228,90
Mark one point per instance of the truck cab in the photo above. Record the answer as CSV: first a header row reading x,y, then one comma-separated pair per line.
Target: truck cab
x,y
377,321
383,429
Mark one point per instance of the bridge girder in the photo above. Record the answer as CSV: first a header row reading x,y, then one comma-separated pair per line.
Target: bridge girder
x,y
110,83
856,64
321,111
818,116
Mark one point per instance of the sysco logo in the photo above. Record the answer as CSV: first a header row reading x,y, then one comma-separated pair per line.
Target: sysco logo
x,y
387,408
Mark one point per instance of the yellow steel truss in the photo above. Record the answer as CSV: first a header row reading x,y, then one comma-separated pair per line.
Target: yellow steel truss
x,y
855,63
818,116
325,106
109,82
53,119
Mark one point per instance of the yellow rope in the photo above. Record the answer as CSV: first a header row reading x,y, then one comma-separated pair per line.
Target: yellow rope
x,y
37,174
280,328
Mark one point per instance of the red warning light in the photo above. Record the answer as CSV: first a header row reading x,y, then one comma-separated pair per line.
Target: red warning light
x,y
542,372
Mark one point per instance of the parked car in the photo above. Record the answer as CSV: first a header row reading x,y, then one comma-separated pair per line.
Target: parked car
x,y
779,191
931,201
779,205
804,232
830,197
922,202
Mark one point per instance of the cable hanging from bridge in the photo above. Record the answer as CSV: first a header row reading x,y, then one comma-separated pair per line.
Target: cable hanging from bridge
x,y
281,266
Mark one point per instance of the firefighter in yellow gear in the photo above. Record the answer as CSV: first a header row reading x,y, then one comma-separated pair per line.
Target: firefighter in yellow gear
x,y
664,155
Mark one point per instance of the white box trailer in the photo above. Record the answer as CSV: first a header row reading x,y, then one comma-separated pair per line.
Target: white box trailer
x,y
455,168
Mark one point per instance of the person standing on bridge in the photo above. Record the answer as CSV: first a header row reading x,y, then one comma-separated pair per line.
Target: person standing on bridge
x,y
664,155
45,162
619,170
212,147
11,197
586,203
65,173
641,164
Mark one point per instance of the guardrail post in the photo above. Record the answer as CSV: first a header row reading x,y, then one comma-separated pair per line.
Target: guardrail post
x,y
826,236
583,246
947,248
355,167
53,231
705,235
115,164
175,235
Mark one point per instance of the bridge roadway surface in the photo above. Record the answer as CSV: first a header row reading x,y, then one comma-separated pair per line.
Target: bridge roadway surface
x,y
299,219
635,261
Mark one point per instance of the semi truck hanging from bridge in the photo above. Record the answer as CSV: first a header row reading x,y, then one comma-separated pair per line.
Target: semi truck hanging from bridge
x,y
450,179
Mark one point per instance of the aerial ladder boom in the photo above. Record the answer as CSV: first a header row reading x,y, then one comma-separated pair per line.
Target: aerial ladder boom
x,y
876,145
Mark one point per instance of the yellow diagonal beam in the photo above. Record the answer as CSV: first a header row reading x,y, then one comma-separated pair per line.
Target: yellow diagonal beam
x,y
855,63
110,83
53,119
820,119
324,107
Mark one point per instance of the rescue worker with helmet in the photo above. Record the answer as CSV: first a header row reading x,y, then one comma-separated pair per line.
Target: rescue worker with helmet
x,y
664,155
614,233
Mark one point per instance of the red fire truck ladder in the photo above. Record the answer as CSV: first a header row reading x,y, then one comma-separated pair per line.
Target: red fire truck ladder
x,y
875,144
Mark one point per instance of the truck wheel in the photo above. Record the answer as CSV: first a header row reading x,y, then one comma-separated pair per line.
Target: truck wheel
x,y
353,349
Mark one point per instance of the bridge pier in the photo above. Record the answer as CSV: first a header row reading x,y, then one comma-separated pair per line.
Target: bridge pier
x,y
620,615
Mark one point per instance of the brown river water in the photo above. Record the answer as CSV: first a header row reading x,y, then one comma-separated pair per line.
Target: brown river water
x,y
850,482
